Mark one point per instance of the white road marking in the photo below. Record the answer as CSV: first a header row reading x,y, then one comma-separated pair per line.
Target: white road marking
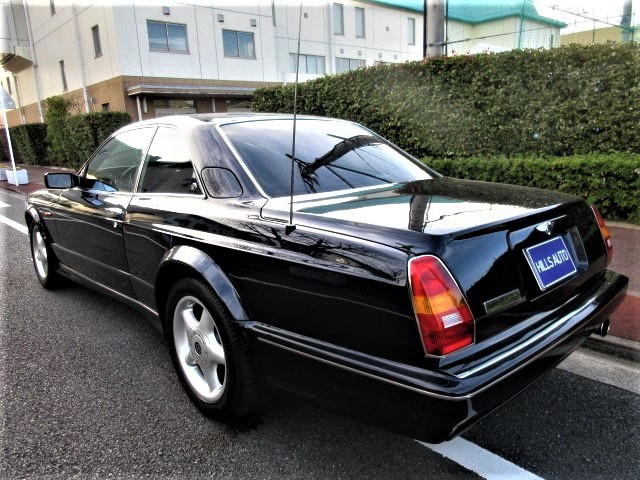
x,y
18,226
3,205
480,461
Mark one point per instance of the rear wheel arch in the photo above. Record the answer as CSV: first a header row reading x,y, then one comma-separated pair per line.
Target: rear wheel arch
x,y
184,261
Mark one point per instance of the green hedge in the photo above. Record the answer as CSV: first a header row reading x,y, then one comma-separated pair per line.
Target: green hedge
x,y
563,101
30,143
83,134
612,182
4,155
75,138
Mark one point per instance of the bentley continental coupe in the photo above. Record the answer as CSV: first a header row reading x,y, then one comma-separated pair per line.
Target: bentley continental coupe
x,y
344,271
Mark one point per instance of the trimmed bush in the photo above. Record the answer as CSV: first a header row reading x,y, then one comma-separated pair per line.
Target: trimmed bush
x,y
30,143
104,124
612,181
72,138
563,101
4,154
57,111
83,134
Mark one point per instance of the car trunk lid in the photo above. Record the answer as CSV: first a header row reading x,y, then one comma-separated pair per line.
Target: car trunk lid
x,y
509,248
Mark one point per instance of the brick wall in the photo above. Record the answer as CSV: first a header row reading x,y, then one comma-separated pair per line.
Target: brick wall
x,y
114,93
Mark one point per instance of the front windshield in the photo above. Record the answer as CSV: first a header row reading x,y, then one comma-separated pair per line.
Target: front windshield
x,y
330,155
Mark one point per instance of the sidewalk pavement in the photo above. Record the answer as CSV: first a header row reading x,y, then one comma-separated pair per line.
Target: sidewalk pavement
x,y
624,335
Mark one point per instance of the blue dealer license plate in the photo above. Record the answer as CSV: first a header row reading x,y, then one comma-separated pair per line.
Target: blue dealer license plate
x,y
550,262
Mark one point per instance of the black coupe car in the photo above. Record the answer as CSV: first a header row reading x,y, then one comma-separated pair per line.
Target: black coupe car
x,y
347,273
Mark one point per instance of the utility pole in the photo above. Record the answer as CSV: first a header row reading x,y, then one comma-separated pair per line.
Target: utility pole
x,y
434,13
625,23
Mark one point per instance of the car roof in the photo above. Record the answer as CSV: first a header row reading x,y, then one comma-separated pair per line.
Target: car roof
x,y
222,118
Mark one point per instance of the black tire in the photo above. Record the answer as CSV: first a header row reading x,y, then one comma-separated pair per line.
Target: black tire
x,y
44,260
208,354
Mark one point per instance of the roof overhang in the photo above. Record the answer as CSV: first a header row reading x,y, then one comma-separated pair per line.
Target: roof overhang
x,y
184,90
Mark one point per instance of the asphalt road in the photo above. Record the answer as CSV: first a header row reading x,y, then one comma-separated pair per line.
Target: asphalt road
x,y
87,390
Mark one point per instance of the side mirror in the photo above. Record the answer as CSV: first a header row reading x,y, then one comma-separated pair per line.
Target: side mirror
x,y
61,180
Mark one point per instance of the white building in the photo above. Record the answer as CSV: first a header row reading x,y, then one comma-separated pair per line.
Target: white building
x,y
158,57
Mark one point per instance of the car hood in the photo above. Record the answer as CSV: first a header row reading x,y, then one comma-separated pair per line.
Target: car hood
x,y
440,206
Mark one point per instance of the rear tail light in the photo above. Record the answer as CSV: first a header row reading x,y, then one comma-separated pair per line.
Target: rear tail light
x,y
444,319
605,234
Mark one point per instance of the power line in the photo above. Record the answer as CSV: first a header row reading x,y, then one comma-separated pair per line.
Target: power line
x,y
592,19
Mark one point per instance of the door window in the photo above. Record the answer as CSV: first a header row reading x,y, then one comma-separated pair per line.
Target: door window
x,y
113,168
168,167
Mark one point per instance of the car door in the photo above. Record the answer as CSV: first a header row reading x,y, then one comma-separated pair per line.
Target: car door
x,y
91,216
168,202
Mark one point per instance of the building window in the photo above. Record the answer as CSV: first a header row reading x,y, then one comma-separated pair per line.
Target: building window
x,y
346,64
239,105
359,22
238,44
167,37
97,47
313,64
338,19
175,104
411,31
106,107
52,7
64,77
9,85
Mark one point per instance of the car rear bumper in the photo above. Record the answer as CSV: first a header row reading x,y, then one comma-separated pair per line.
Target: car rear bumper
x,y
430,405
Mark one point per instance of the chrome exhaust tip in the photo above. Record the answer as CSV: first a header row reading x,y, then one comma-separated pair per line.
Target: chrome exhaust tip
x,y
603,328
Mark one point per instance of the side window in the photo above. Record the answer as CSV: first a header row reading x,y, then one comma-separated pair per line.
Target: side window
x,y
114,166
168,167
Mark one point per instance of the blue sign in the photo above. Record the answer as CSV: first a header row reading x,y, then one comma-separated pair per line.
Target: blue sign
x,y
550,261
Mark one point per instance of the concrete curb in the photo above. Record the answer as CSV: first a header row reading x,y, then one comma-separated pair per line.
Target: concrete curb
x,y
614,346
631,226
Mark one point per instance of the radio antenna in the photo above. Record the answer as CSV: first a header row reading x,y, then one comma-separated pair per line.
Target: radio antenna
x,y
290,226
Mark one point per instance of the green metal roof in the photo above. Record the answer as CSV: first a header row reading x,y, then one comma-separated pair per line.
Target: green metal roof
x,y
479,11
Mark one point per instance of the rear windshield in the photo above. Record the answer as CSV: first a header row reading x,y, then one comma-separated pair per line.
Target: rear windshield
x,y
330,155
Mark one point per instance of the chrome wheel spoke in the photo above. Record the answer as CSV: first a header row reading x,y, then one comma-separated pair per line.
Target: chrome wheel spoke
x,y
216,352
189,319
207,324
211,377
189,360
40,248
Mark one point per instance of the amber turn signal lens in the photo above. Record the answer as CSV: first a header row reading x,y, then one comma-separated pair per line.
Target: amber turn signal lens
x,y
605,234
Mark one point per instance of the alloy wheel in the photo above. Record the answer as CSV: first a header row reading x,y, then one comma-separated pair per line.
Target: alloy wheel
x,y
199,349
